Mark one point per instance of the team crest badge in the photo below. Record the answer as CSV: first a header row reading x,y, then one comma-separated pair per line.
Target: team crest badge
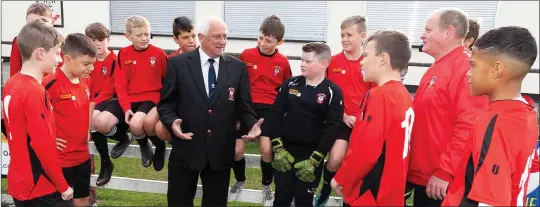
x,y
104,70
320,98
276,70
152,61
88,93
432,81
238,125
231,94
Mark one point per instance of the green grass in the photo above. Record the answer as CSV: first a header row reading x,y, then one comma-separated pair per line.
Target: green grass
x,y
132,168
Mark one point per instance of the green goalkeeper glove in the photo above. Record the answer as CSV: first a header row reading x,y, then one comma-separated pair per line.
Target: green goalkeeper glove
x,y
282,159
306,169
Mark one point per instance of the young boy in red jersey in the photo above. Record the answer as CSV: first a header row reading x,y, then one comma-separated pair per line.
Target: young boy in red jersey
x,y
495,170
107,116
184,36
35,175
472,34
70,95
375,168
138,84
267,70
36,10
345,71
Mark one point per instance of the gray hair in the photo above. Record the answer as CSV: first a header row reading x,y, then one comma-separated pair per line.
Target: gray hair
x,y
204,25
455,17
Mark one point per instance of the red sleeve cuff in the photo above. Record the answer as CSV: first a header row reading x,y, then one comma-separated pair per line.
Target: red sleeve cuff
x,y
62,187
443,175
339,178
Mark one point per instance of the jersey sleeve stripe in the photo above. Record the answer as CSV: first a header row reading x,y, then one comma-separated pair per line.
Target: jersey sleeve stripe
x,y
488,135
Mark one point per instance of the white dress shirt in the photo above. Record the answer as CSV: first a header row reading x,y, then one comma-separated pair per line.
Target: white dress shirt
x,y
205,65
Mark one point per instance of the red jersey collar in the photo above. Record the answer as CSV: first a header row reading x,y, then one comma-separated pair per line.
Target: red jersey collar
x,y
265,55
453,53
508,102
345,57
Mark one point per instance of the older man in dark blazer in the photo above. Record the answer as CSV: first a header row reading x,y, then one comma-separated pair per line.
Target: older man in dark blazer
x,y
203,94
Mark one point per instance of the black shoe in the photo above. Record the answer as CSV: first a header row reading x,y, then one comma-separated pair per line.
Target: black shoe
x,y
121,146
105,174
146,156
159,158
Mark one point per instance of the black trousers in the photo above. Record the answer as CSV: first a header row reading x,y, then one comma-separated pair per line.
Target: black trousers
x,y
53,199
289,186
183,185
420,197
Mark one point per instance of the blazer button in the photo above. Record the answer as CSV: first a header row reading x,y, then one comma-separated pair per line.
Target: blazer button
x,y
210,111
209,131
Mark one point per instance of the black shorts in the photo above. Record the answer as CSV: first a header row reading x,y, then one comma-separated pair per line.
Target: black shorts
x,y
262,111
78,177
53,199
113,107
142,106
343,132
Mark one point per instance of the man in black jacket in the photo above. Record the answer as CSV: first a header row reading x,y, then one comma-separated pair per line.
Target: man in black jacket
x,y
203,94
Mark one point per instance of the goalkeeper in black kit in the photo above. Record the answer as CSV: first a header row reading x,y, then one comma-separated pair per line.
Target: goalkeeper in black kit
x,y
302,127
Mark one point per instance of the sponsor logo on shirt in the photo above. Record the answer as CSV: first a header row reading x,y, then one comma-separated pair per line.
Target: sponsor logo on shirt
x,y
294,92
65,96
321,97
231,94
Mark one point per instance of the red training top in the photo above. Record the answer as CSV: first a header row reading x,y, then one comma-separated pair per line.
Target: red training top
x,y
103,78
177,52
266,74
71,111
445,110
495,171
140,75
34,169
374,170
347,74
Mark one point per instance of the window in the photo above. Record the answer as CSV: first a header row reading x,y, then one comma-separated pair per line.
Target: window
x,y
304,20
160,14
410,16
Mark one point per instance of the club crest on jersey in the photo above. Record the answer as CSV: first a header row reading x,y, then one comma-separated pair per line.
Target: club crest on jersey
x,y
432,81
321,97
152,61
276,70
231,94
238,125
104,70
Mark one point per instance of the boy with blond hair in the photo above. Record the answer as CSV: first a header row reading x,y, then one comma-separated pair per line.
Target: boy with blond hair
x,y
138,83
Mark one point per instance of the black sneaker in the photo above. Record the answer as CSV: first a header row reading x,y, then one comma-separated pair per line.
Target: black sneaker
x,y
159,158
146,156
121,146
105,174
